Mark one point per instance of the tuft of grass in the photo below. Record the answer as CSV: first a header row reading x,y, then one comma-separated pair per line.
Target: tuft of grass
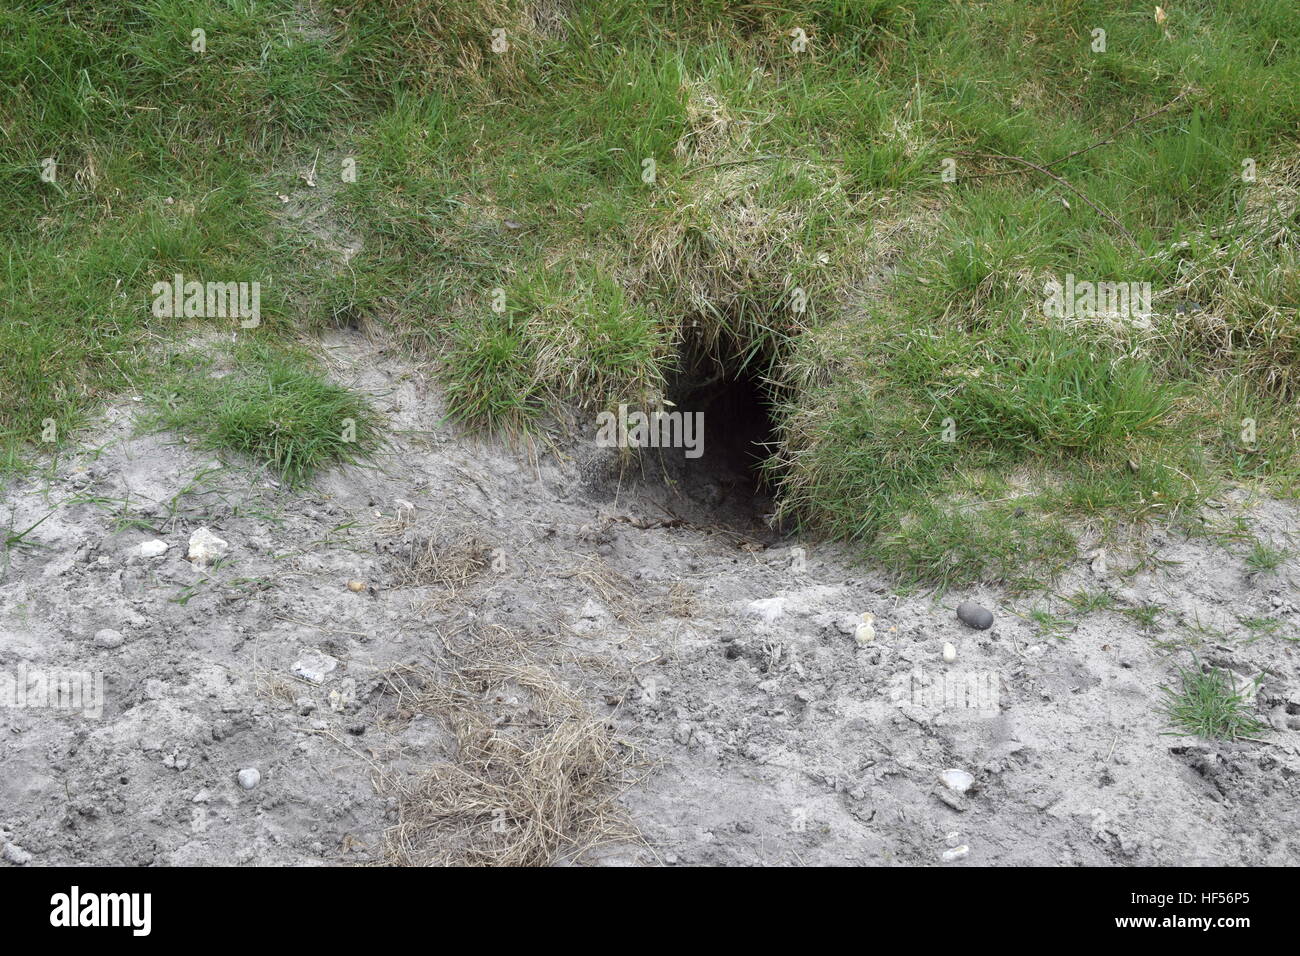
x,y
1261,627
1048,624
274,410
1085,602
1264,558
1145,614
1208,704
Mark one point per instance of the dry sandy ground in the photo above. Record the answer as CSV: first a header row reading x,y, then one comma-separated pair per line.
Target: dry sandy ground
x,y
745,734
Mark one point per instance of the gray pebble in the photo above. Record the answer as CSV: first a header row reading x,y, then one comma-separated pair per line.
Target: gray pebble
x,y
249,777
16,854
972,615
107,637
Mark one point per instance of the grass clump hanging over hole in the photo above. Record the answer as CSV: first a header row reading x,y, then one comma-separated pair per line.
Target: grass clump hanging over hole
x,y
563,335
273,408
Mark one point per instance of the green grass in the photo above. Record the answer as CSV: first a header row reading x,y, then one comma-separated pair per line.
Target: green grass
x,y
1264,558
1047,624
1090,602
927,406
1262,627
273,409
1208,704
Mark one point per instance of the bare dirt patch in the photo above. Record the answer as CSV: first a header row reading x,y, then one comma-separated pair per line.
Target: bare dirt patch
x,y
592,679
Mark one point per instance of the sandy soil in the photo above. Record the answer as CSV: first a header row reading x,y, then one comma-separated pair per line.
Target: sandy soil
x,y
723,660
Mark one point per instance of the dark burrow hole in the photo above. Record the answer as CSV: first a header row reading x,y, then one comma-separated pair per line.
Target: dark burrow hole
x,y
718,481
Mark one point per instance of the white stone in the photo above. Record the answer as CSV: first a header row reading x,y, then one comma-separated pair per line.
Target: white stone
x,y
250,777
956,853
958,781
206,547
769,609
153,549
949,653
315,667
865,632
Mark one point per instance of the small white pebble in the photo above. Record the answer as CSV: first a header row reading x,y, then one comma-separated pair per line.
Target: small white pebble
x,y
956,853
866,631
949,653
153,549
958,781
249,777
206,547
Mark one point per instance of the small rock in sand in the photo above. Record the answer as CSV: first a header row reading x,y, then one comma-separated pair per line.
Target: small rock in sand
x,y
206,547
972,615
865,632
250,777
153,549
356,586
768,609
109,638
315,667
949,653
956,853
958,781
16,854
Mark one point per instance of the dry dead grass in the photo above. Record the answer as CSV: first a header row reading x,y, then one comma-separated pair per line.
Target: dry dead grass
x,y
447,562
535,779
1240,314
616,591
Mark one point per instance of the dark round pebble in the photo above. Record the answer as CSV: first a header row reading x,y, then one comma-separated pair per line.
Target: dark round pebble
x,y
972,615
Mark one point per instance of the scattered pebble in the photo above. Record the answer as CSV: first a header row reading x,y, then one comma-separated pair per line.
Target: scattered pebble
x,y
356,586
866,631
314,667
16,854
950,799
109,638
206,547
949,653
153,549
956,853
769,609
250,777
958,781
972,615
953,838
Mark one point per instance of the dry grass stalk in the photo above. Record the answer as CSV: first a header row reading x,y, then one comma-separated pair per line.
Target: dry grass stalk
x,y
445,562
534,780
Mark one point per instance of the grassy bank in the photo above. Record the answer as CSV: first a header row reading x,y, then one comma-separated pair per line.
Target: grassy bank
x,y
862,202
